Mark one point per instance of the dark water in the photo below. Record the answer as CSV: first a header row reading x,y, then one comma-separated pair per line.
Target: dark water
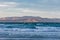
x,y
39,31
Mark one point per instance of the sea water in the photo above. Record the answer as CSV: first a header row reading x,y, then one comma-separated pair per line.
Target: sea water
x,y
40,31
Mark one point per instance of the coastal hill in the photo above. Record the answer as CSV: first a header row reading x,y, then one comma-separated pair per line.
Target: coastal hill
x,y
28,19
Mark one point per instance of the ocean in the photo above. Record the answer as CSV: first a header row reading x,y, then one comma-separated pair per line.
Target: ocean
x,y
30,31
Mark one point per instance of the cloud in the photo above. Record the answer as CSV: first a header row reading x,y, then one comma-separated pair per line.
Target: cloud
x,y
3,5
8,4
28,12
43,8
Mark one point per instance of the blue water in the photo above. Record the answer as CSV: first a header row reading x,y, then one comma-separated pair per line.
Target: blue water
x,y
40,31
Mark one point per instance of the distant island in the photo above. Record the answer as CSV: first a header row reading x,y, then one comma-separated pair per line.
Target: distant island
x,y
28,19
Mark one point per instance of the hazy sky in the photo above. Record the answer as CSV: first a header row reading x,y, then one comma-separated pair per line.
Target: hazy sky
x,y
42,8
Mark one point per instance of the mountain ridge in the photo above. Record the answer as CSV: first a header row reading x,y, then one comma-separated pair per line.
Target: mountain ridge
x,y
30,19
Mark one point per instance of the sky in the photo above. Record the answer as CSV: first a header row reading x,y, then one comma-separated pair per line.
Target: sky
x,y
41,8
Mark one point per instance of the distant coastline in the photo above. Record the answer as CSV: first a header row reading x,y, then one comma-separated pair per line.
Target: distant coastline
x,y
29,19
